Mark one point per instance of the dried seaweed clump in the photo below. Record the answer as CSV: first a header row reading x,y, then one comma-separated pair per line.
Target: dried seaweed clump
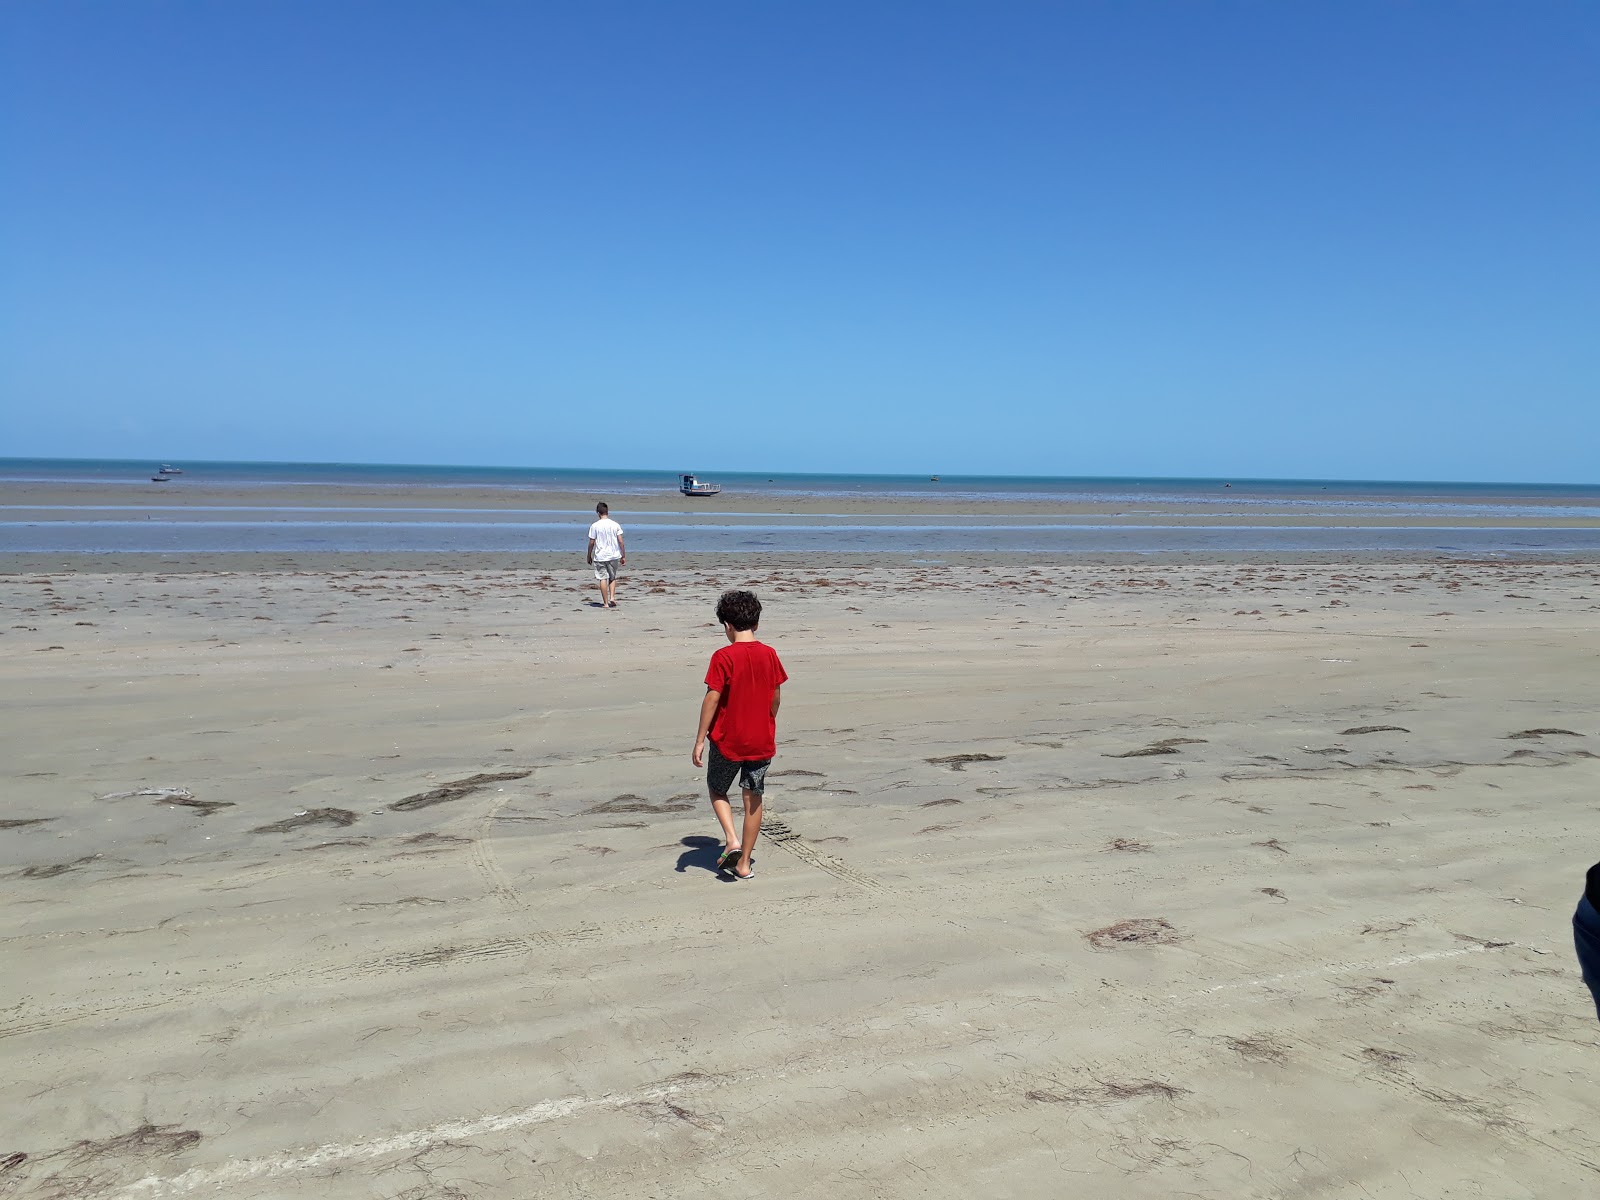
x,y
1109,1091
1131,845
1387,1058
455,790
1140,931
312,816
436,839
92,1166
1164,746
54,869
1536,733
138,1143
666,1110
958,762
1372,729
1258,1048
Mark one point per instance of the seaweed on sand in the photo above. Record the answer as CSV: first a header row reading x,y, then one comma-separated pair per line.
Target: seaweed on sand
x,y
1140,931
312,816
455,790
958,762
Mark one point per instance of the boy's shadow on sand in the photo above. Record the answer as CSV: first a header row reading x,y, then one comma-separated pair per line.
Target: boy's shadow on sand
x,y
702,852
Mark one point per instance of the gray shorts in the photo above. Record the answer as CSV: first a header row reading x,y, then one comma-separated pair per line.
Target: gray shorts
x,y
607,569
720,772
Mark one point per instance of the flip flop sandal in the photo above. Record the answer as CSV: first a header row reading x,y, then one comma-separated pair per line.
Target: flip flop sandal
x,y
726,860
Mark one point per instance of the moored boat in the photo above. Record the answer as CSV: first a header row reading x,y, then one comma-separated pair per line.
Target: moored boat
x,y
690,486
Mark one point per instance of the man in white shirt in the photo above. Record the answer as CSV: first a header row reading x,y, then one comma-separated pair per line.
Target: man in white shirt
x,y
606,553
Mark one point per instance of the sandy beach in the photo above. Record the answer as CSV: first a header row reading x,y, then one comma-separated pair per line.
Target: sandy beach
x,y
1162,437
1093,879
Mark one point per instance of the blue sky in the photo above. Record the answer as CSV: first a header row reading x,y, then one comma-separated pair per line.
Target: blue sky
x,y
1233,239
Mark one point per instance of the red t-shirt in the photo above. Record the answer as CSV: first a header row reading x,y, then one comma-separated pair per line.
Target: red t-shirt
x,y
746,673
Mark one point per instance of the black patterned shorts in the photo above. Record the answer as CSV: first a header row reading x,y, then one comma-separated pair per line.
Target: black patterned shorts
x,y
720,772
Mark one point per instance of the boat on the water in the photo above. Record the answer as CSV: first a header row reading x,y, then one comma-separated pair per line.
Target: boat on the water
x,y
168,469
161,479
690,486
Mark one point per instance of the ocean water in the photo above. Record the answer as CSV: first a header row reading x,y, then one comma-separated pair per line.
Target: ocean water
x,y
1114,489
178,538
1444,518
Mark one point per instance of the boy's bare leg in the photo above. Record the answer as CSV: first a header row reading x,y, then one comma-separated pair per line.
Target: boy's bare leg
x,y
724,811
752,830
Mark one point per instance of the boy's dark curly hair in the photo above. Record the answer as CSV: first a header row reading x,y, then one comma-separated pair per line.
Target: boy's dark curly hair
x,y
740,609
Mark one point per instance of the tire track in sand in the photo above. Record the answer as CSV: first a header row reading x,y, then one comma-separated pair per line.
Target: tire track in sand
x,y
779,833
504,890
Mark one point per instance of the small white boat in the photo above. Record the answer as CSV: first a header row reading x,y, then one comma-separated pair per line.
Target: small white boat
x,y
160,479
693,487
168,469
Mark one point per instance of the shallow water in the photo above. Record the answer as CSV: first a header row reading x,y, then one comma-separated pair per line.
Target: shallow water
x,y
762,535
1194,515
1108,489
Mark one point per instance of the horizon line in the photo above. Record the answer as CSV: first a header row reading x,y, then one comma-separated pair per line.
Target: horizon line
x,y
771,474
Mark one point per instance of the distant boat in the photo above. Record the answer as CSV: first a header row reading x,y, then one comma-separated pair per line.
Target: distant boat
x,y
168,469
933,479
693,487
160,479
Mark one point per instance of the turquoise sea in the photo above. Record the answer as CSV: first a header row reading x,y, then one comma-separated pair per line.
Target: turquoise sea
x,y
1333,515
649,481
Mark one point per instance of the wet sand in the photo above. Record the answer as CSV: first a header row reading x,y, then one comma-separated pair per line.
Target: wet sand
x,y
1125,880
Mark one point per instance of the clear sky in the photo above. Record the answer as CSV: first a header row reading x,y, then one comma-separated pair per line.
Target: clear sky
x,y
1343,239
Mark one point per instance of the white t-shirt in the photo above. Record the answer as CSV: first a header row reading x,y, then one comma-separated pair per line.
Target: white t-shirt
x,y
606,535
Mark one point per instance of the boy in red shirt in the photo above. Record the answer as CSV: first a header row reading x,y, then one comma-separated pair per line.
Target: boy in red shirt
x,y
740,715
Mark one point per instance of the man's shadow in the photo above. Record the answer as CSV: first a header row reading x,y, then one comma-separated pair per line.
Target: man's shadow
x,y
701,852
